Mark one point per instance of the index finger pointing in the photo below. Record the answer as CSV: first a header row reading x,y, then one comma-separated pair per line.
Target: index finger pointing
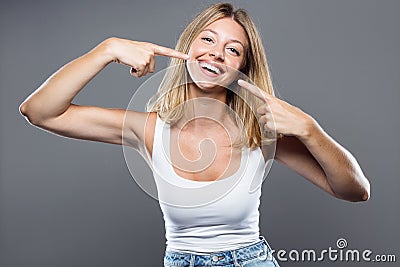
x,y
254,90
165,51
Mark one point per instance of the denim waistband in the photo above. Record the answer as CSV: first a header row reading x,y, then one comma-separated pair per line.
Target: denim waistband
x,y
259,249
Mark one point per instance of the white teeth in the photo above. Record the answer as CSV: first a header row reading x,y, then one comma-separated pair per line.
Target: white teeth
x,y
210,67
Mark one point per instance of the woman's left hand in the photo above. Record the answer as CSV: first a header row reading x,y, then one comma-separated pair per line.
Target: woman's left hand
x,y
278,115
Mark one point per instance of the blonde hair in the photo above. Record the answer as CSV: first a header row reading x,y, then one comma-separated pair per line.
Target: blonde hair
x,y
167,102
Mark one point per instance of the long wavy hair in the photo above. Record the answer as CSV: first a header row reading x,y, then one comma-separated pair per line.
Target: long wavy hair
x,y
173,90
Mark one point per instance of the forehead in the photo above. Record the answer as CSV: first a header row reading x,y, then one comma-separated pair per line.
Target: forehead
x,y
228,28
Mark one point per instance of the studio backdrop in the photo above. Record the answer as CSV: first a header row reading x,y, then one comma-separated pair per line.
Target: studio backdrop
x,y
65,202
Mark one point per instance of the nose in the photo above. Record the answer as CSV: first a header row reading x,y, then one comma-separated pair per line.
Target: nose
x,y
217,53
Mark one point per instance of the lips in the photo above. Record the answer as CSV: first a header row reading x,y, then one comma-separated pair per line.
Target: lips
x,y
211,68
208,73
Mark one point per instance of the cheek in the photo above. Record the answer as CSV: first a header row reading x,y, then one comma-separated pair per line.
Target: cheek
x,y
197,49
242,64
191,52
239,65
236,64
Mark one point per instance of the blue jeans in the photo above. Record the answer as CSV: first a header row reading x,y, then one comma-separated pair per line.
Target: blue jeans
x,y
256,255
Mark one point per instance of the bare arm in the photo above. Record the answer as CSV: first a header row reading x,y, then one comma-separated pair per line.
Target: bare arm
x,y
54,96
309,151
325,163
50,106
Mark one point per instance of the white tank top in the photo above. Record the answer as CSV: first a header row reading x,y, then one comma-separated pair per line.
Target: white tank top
x,y
202,217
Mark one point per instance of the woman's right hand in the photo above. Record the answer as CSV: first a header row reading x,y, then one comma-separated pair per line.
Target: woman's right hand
x,y
139,55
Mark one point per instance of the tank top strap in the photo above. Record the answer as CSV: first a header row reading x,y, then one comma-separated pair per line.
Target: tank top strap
x,y
158,142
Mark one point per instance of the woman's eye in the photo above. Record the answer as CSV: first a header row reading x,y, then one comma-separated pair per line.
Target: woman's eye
x,y
207,39
234,51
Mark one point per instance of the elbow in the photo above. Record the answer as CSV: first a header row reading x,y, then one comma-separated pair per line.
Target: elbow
x,y
366,190
356,196
362,197
28,114
22,109
366,196
358,190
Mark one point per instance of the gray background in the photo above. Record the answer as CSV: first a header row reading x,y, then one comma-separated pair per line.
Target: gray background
x,y
65,202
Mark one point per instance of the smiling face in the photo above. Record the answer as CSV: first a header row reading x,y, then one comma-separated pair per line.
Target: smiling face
x,y
217,54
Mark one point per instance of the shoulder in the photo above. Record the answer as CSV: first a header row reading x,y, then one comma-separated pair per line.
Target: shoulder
x,y
142,125
149,130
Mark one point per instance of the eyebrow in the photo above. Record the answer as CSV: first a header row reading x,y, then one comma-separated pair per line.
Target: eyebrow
x,y
232,40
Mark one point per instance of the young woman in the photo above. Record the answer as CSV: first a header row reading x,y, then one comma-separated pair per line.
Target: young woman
x,y
208,130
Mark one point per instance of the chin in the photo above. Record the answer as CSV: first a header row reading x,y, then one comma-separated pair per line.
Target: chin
x,y
209,87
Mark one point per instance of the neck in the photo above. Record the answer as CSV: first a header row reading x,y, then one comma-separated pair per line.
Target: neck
x,y
205,107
